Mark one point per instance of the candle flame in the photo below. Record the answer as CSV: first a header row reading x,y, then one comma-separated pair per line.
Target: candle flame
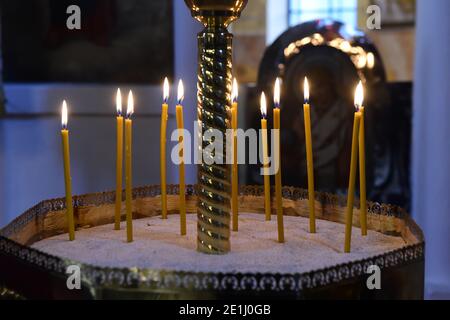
x,y
166,90
130,107
64,116
370,60
180,95
359,96
119,102
306,90
276,93
263,105
234,91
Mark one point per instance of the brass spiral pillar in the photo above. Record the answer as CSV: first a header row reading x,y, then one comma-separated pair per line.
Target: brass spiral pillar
x,y
214,90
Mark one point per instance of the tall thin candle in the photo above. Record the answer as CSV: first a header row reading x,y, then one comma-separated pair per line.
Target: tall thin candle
x,y
234,170
119,160
278,194
267,208
67,177
309,159
362,174
128,166
353,163
162,160
179,113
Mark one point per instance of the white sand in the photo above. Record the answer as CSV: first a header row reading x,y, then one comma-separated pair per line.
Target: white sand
x,y
158,245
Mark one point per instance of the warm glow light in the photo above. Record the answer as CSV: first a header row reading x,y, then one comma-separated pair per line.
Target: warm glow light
x,y
263,105
180,95
345,46
166,90
306,90
276,93
359,96
64,116
357,54
119,102
370,60
360,60
234,91
130,107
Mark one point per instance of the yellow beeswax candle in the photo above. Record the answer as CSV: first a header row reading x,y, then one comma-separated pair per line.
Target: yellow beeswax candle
x,y
309,159
164,116
353,163
128,167
234,170
267,208
362,175
180,125
278,191
119,161
67,177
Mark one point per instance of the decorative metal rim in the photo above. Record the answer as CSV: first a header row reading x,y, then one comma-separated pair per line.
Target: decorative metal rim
x,y
142,278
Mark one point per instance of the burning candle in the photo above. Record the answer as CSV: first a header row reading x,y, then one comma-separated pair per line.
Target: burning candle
x,y
362,168
234,171
67,177
309,158
162,162
351,183
119,160
128,166
278,195
265,149
179,113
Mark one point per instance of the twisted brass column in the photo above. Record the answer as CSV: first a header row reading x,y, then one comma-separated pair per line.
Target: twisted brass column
x,y
214,90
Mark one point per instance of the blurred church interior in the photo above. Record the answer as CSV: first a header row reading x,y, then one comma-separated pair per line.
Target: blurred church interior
x,y
135,44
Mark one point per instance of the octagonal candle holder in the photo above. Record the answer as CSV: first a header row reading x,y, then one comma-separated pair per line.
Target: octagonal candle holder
x,y
26,272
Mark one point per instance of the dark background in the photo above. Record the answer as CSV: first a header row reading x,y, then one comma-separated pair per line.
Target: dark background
x,y
119,41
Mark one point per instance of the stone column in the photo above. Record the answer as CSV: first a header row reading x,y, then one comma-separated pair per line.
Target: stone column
x,y
2,93
431,141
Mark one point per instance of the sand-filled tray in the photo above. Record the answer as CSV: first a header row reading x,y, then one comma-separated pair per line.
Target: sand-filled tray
x,y
159,245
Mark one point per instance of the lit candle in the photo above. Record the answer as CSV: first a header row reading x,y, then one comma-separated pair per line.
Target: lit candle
x,y
278,195
309,158
162,161
362,169
351,183
234,171
180,125
67,177
119,161
265,149
128,166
